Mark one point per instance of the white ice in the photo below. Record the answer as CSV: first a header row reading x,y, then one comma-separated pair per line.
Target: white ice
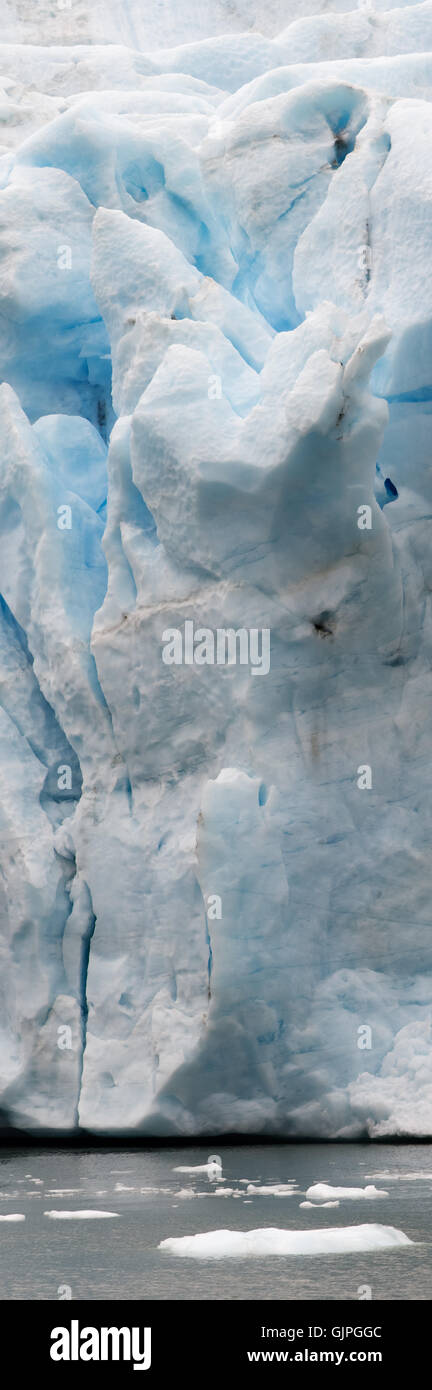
x,y
213,1169
215,365
323,1192
79,1215
221,1245
282,1189
313,1205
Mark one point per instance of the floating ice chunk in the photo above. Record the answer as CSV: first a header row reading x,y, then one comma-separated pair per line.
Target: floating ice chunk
x,y
60,1192
323,1192
193,1168
213,1167
188,1192
402,1177
150,1191
79,1215
222,1245
281,1189
313,1205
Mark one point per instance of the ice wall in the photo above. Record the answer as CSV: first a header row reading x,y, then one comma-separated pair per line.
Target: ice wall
x,y
216,355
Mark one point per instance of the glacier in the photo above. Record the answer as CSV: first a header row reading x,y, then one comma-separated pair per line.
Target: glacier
x,y
215,417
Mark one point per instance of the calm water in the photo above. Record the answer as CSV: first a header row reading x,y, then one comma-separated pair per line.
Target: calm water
x,y
120,1258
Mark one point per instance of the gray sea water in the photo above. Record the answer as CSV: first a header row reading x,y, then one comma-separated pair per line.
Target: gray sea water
x,y
42,1258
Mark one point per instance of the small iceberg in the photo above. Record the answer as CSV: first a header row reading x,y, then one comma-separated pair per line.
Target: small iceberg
x,y
322,1205
213,1167
322,1192
223,1245
79,1215
280,1189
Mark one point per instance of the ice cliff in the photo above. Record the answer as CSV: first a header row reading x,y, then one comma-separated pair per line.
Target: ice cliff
x,y
215,418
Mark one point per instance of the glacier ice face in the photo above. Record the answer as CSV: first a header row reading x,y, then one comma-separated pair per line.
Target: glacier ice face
x,y
216,356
